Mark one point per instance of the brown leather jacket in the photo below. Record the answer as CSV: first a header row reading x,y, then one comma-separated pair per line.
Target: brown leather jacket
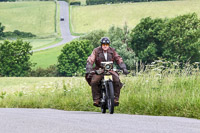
x,y
97,57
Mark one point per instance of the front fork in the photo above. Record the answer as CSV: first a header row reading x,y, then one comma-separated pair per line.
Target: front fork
x,y
104,89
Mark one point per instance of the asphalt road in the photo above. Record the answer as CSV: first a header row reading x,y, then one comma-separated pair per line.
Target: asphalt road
x,y
64,27
14,120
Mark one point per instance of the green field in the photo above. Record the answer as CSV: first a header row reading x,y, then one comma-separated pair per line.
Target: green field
x,y
35,17
47,57
88,18
152,93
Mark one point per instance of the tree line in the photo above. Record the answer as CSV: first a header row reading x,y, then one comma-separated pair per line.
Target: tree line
x,y
95,2
15,33
173,39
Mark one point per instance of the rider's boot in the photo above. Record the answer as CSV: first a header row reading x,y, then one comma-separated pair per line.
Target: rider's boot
x,y
96,94
117,87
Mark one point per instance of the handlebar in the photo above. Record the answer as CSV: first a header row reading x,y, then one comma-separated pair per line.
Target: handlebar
x,y
100,71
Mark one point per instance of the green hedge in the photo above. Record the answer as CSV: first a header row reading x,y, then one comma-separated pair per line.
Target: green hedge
x,y
95,2
20,34
75,3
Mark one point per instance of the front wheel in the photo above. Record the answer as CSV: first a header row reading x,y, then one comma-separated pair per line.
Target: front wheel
x,y
103,103
110,97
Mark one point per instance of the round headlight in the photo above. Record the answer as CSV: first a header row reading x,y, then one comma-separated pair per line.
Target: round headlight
x,y
108,67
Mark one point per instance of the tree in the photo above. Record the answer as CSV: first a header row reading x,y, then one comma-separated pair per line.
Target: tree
x,y
15,58
145,41
1,30
73,58
119,40
175,39
181,38
94,37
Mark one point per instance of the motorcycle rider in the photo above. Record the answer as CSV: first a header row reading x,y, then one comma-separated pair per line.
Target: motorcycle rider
x,y
101,54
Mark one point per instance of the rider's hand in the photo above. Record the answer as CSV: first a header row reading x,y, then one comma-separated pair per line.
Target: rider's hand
x,y
125,71
99,71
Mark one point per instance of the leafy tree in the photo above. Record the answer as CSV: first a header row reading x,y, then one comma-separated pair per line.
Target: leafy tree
x,y
72,60
15,58
145,41
1,30
94,37
181,38
175,39
119,40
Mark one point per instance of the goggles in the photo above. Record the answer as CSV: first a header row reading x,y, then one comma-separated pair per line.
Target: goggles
x,y
105,41
105,44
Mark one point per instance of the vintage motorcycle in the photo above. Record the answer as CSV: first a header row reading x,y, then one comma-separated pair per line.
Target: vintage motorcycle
x,y
106,86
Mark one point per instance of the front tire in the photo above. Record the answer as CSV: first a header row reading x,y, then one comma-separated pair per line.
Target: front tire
x,y
110,97
103,104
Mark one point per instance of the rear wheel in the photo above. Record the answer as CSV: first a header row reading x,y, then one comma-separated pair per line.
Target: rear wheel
x,y
110,97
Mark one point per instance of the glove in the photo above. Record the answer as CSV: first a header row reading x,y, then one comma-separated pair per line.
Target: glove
x,y
125,71
123,67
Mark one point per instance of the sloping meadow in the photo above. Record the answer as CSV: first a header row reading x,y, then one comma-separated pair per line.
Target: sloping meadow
x,y
85,19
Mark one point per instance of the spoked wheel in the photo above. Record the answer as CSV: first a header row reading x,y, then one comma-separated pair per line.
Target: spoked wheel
x,y
110,97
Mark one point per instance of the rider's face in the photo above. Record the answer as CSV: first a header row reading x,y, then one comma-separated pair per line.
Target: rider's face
x,y
105,47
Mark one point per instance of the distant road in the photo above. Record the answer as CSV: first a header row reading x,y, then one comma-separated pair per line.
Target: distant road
x,y
14,120
64,26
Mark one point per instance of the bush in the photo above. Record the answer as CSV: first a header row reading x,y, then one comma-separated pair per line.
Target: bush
x,y
15,58
51,71
175,39
72,60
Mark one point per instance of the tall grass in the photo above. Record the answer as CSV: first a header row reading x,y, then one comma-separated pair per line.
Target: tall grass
x,y
88,18
157,91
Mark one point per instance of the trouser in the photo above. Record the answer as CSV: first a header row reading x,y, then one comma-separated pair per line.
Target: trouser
x,y
96,92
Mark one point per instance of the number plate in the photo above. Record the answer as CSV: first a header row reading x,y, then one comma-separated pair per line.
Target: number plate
x,y
107,77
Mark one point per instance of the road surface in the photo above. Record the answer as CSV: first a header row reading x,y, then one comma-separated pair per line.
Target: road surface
x,y
14,120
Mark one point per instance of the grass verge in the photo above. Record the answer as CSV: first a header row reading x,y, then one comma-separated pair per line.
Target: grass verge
x,y
146,94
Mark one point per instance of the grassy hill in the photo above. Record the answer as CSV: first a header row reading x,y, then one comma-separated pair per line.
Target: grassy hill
x,y
35,17
87,18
